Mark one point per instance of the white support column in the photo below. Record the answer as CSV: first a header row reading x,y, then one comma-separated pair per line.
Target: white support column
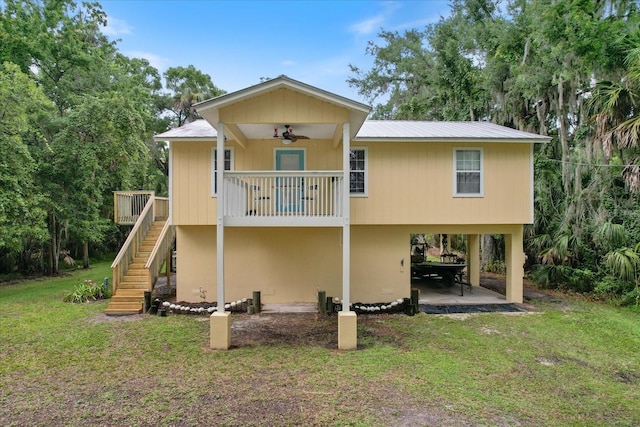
x,y
220,321
473,259
220,217
346,211
347,319
170,219
514,258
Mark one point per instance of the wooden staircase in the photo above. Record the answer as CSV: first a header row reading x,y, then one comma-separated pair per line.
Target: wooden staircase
x,y
129,295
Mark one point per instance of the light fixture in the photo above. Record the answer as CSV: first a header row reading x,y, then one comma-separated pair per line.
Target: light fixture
x,y
287,136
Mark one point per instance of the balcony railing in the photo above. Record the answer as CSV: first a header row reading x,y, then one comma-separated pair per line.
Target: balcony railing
x,y
283,198
127,206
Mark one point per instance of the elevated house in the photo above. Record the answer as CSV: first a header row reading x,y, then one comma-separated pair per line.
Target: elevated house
x,y
288,189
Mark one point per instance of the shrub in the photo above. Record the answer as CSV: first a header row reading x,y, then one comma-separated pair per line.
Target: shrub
x,y
549,275
88,291
618,291
581,280
495,266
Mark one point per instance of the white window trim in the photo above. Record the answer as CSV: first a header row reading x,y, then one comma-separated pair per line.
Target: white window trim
x,y
214,165
366,172
455,172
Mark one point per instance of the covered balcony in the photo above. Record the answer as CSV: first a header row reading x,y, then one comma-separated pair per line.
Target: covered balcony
x,y
284,198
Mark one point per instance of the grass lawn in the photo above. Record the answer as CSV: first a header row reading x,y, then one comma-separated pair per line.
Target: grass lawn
x,y
575,363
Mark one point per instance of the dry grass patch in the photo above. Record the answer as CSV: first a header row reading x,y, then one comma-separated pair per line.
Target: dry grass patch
x,y
570,364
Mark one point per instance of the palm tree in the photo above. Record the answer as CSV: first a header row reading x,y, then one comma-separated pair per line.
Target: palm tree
x,y
617,121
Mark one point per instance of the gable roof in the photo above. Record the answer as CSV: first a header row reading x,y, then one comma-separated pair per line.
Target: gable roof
x,y
358,112
392,131
281,81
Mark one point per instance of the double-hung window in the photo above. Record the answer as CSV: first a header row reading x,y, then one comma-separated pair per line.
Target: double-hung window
x,y
468,180
228,165
358,172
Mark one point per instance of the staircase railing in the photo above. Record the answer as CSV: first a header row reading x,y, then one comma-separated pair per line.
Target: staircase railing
x,y
131,246
161,208
127,205
160,251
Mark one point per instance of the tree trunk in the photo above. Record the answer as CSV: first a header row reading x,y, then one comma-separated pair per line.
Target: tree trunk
x,y
563,134
55,229
489,250
85,254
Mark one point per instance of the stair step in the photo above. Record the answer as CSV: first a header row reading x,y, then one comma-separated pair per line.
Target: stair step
x,y
132,287
120,299
125,304
128,297
138,288
129,293
123,311
134,279
137,272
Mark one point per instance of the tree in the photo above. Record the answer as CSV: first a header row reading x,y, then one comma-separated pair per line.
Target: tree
x,y
187,86
105,108
21,213
568,69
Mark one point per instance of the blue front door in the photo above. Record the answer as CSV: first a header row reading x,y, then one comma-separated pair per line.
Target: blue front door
x,y
290,189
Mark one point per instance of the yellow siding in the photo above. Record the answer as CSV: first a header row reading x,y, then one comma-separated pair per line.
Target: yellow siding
x,y
283,105
285,264
408,183
376,271
292,264
191,175
192,168
260,155
412,183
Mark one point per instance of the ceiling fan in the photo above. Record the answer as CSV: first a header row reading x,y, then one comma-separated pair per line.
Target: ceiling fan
x,y
287,136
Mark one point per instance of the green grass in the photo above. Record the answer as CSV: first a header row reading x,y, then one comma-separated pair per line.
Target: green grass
x,y
574,363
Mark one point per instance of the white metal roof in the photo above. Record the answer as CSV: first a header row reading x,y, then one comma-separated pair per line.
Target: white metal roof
x,y
381,130
391,130
196,129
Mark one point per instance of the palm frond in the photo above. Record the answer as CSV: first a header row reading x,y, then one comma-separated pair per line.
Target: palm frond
x,y
610,235
623,262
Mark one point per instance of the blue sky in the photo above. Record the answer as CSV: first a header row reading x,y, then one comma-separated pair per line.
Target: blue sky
x,y
238,42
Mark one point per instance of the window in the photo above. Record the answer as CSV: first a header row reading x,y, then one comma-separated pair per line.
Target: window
x,y
358,174
228,165
468,176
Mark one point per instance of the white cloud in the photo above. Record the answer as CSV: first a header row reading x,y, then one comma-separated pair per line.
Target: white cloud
x,y
367,26
373,24
156,61
419,24
116,27
288,63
